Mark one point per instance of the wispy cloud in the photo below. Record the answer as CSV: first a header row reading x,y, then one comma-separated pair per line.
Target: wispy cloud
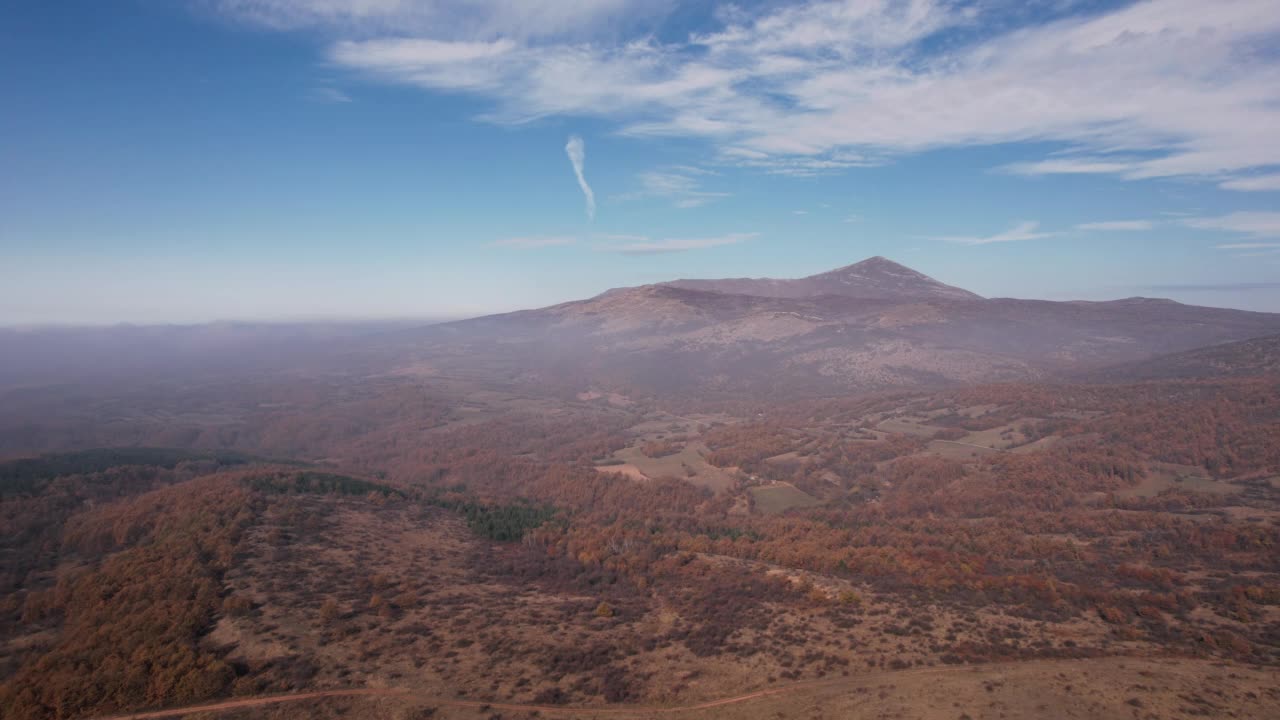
x,y
1117,225
577,152
1256,224
641,245
1256,183
794,165
534,242
1161,88
1071,166
1246,246
1022,231
525,19
681,184
328,95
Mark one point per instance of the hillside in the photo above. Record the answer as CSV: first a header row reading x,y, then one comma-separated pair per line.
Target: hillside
x,y
1259,356
587,555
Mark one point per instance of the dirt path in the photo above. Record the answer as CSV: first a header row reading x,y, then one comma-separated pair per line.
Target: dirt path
x,y
259,701
972,445
552,709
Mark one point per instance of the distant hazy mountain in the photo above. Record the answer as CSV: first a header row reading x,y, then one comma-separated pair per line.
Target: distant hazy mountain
x,y
873,278
870,325
60,352
875,324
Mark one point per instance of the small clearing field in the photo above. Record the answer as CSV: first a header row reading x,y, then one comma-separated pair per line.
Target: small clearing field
x,y
1165,476
780,497
958,450
688,464
907,426
1004,437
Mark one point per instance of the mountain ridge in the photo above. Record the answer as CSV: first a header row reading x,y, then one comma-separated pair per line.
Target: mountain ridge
x,y
876,277
897,329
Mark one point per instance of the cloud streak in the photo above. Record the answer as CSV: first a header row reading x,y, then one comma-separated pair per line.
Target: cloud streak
x,y
641,245
1117,226
1255,224
1246,246
1257,183
525,19
679,184
328,95
1022,231
576,149
534,242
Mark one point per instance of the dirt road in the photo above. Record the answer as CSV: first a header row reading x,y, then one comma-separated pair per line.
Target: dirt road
x,y
548,709
259,701
972,445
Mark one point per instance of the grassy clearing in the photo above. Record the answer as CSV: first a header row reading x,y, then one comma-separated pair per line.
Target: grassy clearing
x,y
688,464
1004,437
957,450
780,497
907,426
1165,476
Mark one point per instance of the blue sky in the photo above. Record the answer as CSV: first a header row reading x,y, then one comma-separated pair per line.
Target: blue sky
x,y
171,161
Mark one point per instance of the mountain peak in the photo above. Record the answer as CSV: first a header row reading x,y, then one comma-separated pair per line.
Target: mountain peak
x,y
875,278
875,264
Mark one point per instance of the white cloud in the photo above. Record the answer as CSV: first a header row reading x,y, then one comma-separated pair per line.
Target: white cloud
x,y
1117,225
1256,224
418,51
1253,184
693,170
469,18
534,242
641,245
1246,246
799,212
577,152
1022,231
1071,166
677,184
1161,88
796,166
461,66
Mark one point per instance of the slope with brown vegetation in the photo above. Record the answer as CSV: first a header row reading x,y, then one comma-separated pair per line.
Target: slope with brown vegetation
x,y
474,544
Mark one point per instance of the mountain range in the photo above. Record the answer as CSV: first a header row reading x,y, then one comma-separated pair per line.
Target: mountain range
x,y
874,324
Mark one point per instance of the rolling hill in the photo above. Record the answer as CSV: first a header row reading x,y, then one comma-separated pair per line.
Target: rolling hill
x,y
1259,356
